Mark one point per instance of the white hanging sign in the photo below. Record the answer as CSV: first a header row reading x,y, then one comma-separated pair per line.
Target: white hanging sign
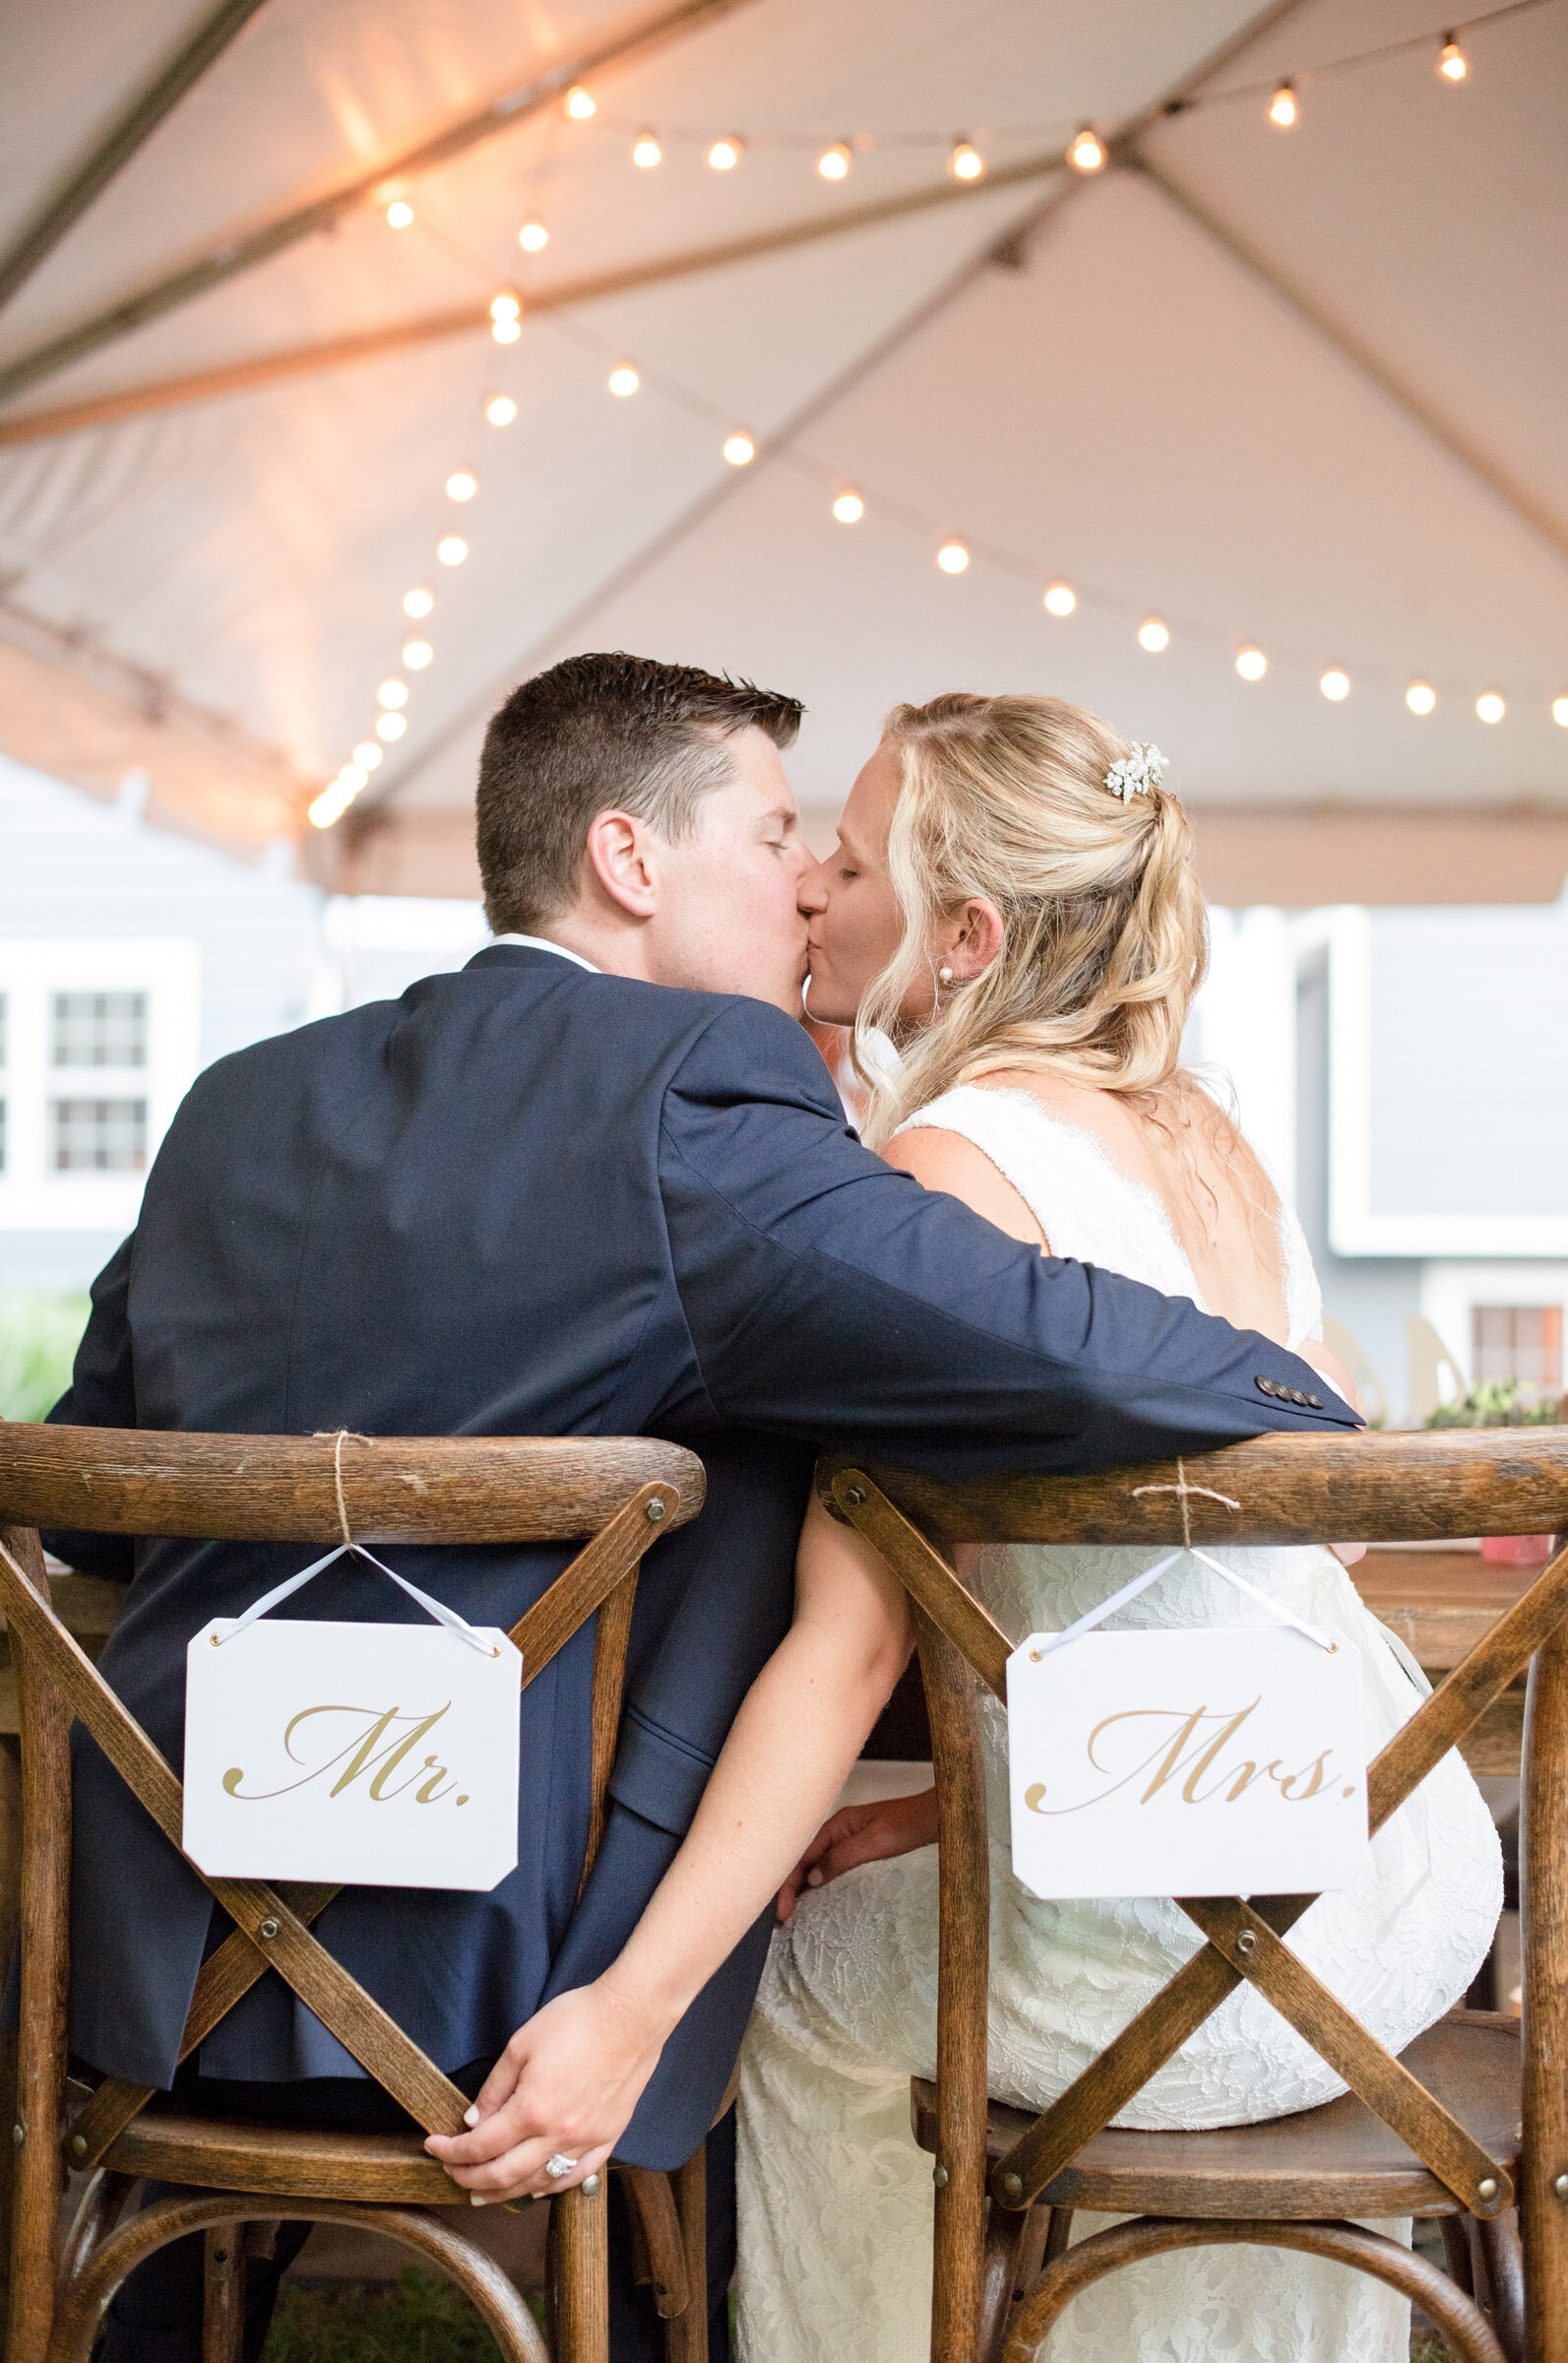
x,y
360,1754
1226,1760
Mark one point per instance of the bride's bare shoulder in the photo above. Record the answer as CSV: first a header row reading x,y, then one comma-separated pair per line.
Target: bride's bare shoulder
x,y
951,1162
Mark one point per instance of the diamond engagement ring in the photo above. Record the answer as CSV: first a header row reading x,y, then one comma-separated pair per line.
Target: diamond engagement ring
x,y
558,2164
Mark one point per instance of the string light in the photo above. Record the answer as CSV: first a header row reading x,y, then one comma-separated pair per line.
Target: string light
x,y
533,237
1060,599
647,151
1452,63
1490,706
367,754
506,332
623,381
1420,697
417,655
1152,635
390,727
506,325
1283,113
398,214
1252,663
581,103
500,410
392,693
1560,711
724,155
332,803
418,602
849,508
462,484
966,162
452,549
952,557
1087,152
739,450
833,163
1334,684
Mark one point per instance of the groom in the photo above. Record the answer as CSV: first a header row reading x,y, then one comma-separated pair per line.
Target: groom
x,y
597,1183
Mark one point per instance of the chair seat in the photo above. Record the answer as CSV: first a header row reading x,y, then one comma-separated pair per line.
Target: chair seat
x,y
393,2169
1336,2160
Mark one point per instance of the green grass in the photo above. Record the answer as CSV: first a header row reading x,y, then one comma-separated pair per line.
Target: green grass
x,y
1427,2347
419,2320
38,1338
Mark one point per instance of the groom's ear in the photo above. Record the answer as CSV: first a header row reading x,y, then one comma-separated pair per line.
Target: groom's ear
x,y
618,854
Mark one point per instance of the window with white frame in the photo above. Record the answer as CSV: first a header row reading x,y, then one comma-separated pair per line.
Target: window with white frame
x,y
99,1043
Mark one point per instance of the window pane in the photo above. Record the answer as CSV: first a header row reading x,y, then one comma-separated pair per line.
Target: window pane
x,y
100,1029
98,1137
4,1028
1518,1341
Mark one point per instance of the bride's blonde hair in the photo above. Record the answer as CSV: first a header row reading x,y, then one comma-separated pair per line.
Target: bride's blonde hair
x,y
1105,931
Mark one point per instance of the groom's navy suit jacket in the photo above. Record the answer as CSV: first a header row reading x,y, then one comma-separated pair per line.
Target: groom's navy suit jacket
x,y
530,1201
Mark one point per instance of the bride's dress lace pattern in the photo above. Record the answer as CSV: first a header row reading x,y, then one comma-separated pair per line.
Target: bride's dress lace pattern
x,y
834,2198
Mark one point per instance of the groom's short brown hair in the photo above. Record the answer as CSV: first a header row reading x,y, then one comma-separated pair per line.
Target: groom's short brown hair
x,y
593,734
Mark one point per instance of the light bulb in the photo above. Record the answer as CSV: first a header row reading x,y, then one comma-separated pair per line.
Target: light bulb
x,y
739,450
1060,599
417,655
390,727
500,410
393,692
952,557
1334,684
1283,113
1452,63
647,151
418,602
353,777
1560,711
398,214
328,807
532,238
833,163
623,381
1152,635
1087,153
1490,706
506,305
724,155
462,484
1420,697
1252,663
849,508
581,103
367,754
506,332
452,549
966,162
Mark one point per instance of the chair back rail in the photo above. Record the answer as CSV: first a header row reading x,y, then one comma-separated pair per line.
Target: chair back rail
x,y
1271,1489
624,1493
461,1488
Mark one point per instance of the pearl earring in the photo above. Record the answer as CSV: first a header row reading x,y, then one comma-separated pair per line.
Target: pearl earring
x,y
943,976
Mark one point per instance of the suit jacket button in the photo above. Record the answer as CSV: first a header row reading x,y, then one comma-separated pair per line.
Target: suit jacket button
x,y
1265,1386
1296,1396
1316,1402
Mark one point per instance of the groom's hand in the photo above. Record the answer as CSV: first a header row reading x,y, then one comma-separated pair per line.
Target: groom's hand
x,y
861,1833
565,2085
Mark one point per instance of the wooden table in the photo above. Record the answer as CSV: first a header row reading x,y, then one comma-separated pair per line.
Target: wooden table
x,y
1441,1602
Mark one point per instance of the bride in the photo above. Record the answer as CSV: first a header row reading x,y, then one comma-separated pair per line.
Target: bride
x,y
1014,903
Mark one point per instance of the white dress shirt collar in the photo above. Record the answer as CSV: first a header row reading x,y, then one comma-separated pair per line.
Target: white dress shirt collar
x,y
540,943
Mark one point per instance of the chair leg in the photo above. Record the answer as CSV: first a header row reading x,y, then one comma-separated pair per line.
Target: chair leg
x,y
224,2295
580,2279
1504,2262
478,2277
1006,2232
1456,2252
1469,2334
686,2335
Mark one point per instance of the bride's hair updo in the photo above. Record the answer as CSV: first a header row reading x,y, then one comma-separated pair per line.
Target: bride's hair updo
x,y
1105,938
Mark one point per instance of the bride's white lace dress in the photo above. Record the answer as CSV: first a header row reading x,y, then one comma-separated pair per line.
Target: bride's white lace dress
x,y
834,2198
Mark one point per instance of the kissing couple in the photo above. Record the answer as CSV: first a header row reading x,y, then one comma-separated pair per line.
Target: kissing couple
x,y
599,1183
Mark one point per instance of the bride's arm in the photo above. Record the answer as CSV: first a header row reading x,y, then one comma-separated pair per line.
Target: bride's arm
x,y
570,2078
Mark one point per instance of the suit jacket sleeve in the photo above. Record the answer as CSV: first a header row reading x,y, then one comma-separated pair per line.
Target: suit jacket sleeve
x,y
831,1296
101,1394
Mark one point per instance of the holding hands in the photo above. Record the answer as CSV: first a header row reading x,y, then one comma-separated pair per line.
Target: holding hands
x,y
860,1833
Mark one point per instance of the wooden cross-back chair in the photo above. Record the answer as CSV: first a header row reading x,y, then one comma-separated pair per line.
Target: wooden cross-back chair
x,y
1469,2124
621,1494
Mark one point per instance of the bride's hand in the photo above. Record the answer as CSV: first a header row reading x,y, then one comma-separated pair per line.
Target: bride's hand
x,y
568,2081
861,1833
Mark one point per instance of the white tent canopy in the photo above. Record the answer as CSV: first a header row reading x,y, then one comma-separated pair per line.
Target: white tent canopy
x,y
1295,389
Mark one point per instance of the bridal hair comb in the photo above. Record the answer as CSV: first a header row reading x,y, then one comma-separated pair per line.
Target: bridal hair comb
x,y
1136,773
